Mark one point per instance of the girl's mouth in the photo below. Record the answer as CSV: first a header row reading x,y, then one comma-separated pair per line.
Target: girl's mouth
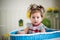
x,y
35,22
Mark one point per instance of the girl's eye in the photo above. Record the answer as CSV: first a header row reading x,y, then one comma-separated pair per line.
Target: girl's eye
x,y
33,17
37,17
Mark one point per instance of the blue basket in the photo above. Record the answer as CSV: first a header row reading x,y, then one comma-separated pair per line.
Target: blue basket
x,y
36,36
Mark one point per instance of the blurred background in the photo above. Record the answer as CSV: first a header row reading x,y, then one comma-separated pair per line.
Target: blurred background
x,y
11,11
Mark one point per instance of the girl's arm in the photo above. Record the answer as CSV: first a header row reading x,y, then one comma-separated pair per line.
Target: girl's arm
x,y
43,30
23,32
26,30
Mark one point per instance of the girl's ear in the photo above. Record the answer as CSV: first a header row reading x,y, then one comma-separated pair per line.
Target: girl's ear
x,y
42,18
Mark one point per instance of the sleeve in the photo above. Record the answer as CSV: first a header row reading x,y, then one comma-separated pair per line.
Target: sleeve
x,y
42,26
28,24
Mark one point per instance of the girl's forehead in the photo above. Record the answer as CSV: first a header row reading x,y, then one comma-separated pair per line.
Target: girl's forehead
x,y
38,13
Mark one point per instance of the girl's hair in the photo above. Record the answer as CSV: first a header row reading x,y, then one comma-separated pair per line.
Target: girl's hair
x,y
36,8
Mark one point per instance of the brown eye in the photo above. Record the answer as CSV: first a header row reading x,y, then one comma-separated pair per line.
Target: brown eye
x,y
37,17
33,17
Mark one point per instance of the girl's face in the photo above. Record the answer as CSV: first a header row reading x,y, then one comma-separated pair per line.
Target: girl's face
x,y
36,18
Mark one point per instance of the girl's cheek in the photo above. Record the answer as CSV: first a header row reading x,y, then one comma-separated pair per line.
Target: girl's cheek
x,y
41,19
32,20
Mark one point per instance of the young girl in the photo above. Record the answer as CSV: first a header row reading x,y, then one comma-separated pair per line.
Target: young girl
x,y
36,17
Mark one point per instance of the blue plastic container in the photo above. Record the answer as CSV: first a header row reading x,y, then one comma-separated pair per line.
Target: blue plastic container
x,y
49,34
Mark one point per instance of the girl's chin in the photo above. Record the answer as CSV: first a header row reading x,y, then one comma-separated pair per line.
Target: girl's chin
x,y
36,23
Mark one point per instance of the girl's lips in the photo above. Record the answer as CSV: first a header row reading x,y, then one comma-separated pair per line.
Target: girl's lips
x,y
35,22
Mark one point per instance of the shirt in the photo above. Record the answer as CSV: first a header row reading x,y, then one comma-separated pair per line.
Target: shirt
x,y
35,29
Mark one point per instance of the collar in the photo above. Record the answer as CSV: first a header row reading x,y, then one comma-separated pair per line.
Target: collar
x,y
36,25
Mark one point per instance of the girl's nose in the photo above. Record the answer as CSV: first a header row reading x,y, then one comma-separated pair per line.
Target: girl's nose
x,y
35,19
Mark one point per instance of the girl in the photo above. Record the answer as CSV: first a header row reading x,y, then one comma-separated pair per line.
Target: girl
x,y
36,17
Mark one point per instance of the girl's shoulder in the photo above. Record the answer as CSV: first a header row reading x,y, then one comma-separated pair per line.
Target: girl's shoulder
x,y
29,24
42,26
